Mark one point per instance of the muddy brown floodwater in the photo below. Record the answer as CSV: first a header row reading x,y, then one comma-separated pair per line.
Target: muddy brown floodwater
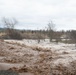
x,y
29,60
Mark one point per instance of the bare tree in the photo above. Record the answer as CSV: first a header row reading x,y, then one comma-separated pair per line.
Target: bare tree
x,y
9,24
50,29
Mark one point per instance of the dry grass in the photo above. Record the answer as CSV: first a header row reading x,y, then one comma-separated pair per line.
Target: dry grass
x,y
2,34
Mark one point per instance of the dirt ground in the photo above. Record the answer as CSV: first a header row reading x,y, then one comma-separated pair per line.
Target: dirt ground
x,y
35,60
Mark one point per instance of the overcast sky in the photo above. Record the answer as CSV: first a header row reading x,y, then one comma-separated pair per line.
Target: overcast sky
x,y
35,14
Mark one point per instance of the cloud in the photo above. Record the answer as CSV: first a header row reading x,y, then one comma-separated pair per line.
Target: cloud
x,y
33,14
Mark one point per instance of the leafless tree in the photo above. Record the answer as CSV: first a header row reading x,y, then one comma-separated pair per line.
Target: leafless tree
x,y
50,30
9,24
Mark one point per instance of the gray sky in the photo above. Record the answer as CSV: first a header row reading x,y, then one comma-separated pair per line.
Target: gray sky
x,y
35,14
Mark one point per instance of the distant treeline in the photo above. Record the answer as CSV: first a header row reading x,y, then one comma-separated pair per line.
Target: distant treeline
x,y
9,32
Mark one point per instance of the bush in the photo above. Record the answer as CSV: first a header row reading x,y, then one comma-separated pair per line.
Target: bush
x,y
15,35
